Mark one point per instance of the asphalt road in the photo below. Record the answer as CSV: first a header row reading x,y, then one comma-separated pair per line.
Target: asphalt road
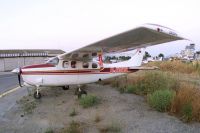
x,y
7,81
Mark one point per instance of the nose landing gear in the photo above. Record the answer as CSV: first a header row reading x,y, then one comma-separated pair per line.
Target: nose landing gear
x,y
37,94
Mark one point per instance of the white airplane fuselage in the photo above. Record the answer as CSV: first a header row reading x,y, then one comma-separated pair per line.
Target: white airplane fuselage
x,y
63,73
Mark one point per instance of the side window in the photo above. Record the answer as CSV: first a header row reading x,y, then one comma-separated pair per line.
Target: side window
x,y
94,65
85,64
65,64
73,64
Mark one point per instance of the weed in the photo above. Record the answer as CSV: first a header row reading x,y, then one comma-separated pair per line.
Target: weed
x,y
49,130
122,89
89,101
115,83
178,66
187,112
132,89
113,128
27,105
187,102
161,99
97,118
150,82
74,127
73,113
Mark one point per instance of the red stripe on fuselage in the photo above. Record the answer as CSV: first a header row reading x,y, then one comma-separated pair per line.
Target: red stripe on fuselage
x,y
74,72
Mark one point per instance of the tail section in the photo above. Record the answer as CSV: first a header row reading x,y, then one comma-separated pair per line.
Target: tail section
x,y
136,60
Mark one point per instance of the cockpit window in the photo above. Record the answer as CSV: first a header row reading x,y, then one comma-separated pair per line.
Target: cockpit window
x,y
73,64
53,61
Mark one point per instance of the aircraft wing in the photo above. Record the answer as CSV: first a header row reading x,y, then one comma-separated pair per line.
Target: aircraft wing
x,y
143,36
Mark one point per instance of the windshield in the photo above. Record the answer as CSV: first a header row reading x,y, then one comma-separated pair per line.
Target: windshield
x,y
53,61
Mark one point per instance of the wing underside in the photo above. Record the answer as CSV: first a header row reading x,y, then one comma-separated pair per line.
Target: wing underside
x,y
143,36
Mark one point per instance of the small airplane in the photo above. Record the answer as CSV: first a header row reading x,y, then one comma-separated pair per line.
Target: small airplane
x,y
78,67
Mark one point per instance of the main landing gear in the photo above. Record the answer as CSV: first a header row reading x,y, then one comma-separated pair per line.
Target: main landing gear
x,y
79,92
37,94
66,87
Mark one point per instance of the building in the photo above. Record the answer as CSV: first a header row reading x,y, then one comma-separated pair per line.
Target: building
x,y
189,52
11,59
197,55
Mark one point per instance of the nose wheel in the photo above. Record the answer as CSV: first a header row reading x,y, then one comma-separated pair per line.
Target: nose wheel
x,y
79,92
37,94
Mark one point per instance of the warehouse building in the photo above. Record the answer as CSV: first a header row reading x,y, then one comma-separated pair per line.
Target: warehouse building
x,y
11,59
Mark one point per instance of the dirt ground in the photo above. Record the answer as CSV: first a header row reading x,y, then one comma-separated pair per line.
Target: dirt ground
x,y
129,112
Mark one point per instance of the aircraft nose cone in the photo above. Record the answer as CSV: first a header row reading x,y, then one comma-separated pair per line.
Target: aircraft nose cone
x,y
16,70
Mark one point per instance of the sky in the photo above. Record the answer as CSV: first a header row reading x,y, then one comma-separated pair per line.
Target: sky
x,y
71,24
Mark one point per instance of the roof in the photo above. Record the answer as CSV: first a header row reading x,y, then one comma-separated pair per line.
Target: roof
x,y
49,51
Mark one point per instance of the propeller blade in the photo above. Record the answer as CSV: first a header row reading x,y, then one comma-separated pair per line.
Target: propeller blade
x,y
19,79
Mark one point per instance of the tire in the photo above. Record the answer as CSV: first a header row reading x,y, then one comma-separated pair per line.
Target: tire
x,y
37,96
66,87
84,92
80,93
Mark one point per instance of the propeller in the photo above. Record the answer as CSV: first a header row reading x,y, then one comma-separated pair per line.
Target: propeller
x,y
19,77
18,71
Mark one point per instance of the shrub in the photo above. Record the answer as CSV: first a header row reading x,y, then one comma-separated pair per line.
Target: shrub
x,y
178,66
187,112
113,127
122,89
152,81
49,130
73,112
187,102
115,82
131,89
74,127
161,99
88,101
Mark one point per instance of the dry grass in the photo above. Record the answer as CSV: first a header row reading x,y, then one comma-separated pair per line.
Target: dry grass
x,y
113,127
27,104
188,94
145,83
178,66
74,127
186,102
97,118
89,101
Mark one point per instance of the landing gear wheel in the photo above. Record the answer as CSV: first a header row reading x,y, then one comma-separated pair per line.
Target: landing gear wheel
x,y
82,92
66,87
37,95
